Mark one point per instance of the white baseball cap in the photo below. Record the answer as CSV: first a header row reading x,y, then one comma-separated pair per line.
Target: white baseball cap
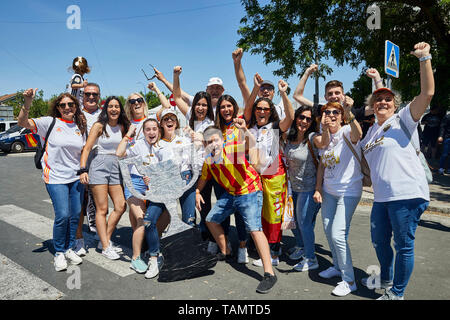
x,y
168,111
215,80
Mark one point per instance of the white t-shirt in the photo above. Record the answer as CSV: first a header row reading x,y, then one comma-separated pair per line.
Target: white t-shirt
x,y
179,150
108,145
139,132
61,159
395,168
268,142
342,174
149,153
91,118
199,126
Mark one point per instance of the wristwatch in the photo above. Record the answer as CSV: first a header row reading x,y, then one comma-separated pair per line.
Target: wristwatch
x,y
82,170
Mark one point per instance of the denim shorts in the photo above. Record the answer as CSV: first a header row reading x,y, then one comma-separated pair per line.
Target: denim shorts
x,y
248,205
138,184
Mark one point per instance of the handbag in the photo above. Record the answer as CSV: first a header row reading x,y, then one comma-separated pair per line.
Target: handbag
x,y
365,170
288,221
421,156
41,149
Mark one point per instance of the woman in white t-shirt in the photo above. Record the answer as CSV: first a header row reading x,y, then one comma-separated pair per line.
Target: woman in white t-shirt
x,y
199,117
339,189
103,174
400,188
147,148
60,163
265,125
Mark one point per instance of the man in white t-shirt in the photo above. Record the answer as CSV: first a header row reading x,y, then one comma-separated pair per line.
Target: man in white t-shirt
x,y
91,110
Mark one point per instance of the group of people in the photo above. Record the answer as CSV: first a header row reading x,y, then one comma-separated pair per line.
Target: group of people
x,y
254,159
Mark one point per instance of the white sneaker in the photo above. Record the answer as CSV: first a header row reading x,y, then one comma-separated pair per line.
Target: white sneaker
x,y
153,268
306,264
242,255
59,261
111,244
110,253
297,254
212,248
330,273
72,257
343,289
79,247
258,263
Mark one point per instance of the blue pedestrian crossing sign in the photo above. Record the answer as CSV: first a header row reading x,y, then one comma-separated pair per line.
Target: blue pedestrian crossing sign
x,y
391,59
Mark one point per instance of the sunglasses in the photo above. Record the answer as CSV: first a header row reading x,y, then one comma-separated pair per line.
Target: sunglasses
x,y
302,117
133,101
261,109
88,94
334,112
63,105
174,119
268,88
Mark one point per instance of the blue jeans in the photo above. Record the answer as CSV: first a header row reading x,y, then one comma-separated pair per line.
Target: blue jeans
x,y
337,213
305,215
187,200
400,217
240,224
248,205
66,199
445,152
152,214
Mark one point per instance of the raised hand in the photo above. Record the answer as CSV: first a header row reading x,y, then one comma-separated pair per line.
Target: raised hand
x,y
282,86
237,54
159,74
177,70
29,95
312,68
421,49
257,80
373,73
152,86
240,123
131,131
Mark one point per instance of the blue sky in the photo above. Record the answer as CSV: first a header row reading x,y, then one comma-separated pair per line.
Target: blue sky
x,y
37,47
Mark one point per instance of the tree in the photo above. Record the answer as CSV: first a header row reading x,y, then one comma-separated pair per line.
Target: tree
x,y
152,99
39,107
285,31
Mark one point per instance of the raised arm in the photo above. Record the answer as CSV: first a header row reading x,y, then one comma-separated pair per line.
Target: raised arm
x,y
160,77
177,92
285,124
22,119
121,150
162,98
239,72
421,102
356,132
323,140
298,93
257,80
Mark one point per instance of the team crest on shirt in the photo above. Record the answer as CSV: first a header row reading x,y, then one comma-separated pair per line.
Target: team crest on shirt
x,y
78,132
370,146
387,128
178,142
58,129
264,131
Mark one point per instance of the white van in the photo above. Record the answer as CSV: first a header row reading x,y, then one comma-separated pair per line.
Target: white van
x,y
6,124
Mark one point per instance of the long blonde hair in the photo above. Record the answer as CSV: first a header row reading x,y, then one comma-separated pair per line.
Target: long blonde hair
x,y
128,106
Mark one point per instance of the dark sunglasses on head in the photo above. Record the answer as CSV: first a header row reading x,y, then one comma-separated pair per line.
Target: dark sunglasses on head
x,y
334,112
133,101
302,117
88,94
63,105
261,109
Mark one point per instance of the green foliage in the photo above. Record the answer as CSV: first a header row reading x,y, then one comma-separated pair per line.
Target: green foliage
x,y
285,32
39,107
152,99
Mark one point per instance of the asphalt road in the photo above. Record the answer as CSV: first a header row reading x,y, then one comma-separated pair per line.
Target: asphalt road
x,y
27,270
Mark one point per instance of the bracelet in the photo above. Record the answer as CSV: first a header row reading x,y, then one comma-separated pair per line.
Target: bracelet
x,y
428,57
82,170
378,81
127,137
351,119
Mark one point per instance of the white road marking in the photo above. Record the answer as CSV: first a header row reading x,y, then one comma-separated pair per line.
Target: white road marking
x,y
17,283
42,227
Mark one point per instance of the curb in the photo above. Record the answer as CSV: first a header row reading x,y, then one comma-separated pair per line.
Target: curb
x,y
431,208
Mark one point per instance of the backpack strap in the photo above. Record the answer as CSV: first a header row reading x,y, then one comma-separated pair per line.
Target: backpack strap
x,y
351,148
48,132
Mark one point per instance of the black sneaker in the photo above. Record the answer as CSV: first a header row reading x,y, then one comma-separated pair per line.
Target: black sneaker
x,y
223,257
266,283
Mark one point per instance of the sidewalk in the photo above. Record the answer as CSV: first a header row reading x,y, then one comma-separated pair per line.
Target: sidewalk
x,y
439,195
